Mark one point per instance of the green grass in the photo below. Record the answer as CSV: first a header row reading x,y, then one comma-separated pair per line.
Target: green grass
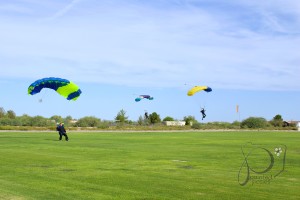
x,y
150,165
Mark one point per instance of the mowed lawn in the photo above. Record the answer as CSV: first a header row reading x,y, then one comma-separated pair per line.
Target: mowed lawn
x,y
145,165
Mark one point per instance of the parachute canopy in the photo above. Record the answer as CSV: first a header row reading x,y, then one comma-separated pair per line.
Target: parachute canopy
x,y
196,89
64,87
143,97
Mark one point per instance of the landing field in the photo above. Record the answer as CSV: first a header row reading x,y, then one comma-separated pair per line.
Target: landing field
x,y
150,165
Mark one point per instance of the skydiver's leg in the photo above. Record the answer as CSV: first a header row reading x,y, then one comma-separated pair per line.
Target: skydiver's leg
x,y
66,136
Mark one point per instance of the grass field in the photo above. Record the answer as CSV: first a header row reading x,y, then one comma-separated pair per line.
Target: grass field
x,y
149,165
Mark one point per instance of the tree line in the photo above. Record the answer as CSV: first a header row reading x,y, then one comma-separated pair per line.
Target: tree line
x,y
9,118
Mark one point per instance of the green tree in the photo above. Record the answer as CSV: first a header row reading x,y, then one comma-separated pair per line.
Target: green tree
x,y
154,118
68,118
57,118
104,125
140,120
254,122
236,124
88,122
2,112
168,118
277,121
189,120
121,116
11,114
39,121
25,120
197,125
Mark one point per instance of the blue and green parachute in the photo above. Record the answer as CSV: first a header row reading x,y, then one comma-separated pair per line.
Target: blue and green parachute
x,y
64,87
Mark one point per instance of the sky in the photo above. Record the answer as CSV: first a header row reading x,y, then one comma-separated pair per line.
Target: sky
x,y
247,51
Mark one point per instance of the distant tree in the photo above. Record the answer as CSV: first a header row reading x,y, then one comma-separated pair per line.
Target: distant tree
x,y
236,124
130,122
254,122
154,118
68,118
189,120
278,117
88,122
6,121
11,114
197,125
25,120
57,118
121,116
140,120
2,112
168,118
39,121
104,124
277,121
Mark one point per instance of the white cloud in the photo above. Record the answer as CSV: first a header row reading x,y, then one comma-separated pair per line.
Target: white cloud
x,y
132,43
64,10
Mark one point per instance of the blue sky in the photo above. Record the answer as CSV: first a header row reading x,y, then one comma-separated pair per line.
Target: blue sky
x,y
247,51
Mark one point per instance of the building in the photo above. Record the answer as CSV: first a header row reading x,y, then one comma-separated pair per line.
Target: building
x,y
174,123
292,123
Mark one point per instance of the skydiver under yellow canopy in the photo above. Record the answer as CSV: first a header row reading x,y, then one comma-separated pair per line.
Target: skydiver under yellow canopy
x,y
203,113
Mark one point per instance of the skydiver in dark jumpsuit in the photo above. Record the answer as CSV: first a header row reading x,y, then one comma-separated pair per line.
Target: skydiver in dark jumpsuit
x,y
203,113
146,115
62,131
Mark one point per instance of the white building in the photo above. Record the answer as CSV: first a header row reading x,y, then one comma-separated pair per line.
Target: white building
x,y
174,123
296,123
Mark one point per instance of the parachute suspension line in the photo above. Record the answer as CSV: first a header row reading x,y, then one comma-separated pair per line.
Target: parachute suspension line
x,y
204,102
43,95
202,107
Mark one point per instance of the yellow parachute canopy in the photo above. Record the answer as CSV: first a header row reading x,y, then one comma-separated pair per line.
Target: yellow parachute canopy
x,y
196,89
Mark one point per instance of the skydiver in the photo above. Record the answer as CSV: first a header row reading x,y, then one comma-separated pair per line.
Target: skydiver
x,y
203,113
146,115
62,131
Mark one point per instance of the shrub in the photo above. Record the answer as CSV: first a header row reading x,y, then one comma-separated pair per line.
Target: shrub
x,y
168,118
196,125
189,120
254,122
88,122
154,118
